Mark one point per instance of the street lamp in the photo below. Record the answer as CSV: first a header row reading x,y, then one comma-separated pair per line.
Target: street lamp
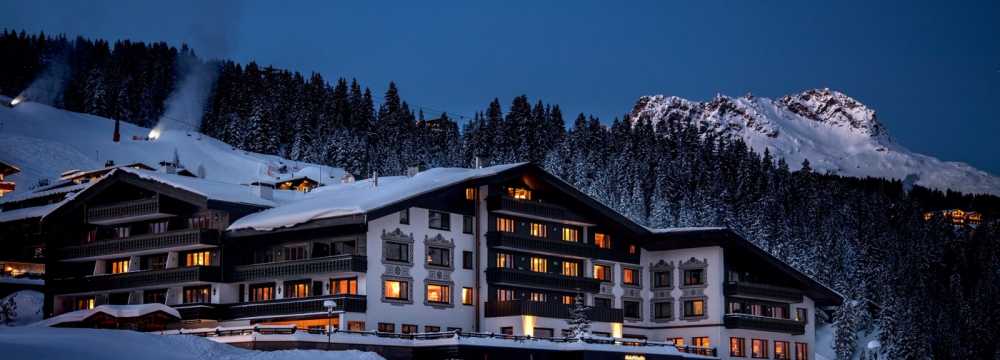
x,y
329,305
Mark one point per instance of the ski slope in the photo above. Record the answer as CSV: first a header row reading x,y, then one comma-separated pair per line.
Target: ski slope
x,y
44,142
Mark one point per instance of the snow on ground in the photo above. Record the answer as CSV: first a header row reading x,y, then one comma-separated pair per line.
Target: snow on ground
x,y
29,307
361,196
92,344
45,141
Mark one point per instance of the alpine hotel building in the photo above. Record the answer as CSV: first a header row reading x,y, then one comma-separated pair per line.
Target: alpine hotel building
x,y
503,249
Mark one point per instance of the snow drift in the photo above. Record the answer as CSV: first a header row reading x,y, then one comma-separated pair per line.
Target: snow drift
x,y
836,133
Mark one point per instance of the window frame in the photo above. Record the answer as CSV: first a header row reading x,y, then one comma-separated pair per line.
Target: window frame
x,y
444,291
764,349
468,296
443,258
404,216
737,346
468,224
403,291
602,240
444,219
538,264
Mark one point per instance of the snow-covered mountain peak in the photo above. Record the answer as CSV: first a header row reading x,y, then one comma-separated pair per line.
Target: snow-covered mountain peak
x,y
835,132
835,108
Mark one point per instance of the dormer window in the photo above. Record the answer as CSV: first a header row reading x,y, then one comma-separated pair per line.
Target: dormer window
x,y
602,240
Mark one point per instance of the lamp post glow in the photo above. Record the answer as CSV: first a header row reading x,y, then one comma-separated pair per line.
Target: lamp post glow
x,y
329,305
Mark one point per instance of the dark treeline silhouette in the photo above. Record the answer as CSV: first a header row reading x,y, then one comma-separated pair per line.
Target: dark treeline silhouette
x,y
930,287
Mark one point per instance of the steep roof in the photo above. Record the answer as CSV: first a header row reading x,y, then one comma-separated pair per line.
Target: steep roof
x,y
210,189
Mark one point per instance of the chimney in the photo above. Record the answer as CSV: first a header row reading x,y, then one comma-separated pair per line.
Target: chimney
x,y
168,167
412,171
479,161
375,179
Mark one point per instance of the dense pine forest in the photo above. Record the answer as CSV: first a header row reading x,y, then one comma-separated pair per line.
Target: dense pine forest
x,y
930,287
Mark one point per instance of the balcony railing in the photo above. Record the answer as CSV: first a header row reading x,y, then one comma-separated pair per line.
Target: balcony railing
x,y
348,303
753,322
548,309
763,290
162,241
704,351
142,208
529,243
338,263
511,276
140,279
535,208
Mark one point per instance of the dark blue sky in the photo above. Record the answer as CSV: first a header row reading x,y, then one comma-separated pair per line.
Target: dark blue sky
x,y
930,69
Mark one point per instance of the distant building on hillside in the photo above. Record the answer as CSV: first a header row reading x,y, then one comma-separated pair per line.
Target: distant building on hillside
x,y
957,217
7,169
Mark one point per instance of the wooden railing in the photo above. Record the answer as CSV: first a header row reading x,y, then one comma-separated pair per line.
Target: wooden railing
x,y
164,241
140,279
763,290
753,322
529,243
349,303
124,209
548,309
575,283
337,263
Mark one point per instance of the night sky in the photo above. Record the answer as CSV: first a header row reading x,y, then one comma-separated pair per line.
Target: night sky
x,y
930,69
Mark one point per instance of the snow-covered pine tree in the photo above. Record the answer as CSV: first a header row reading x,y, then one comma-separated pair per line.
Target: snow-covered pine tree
x,y
579,321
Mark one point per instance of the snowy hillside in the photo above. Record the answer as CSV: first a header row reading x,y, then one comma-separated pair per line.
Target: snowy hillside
x,y
834,132
45,141
92,344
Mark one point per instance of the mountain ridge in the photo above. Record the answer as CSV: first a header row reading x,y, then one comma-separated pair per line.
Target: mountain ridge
x,y
836,133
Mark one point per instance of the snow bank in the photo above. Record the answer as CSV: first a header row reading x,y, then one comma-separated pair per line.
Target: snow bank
x,y
361,196
91,344
29,307
119,311
45,141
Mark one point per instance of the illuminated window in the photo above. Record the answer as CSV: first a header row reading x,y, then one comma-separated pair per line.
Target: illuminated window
x,y
386,327
568,299
262,292
197,294
505,225
701,341
505,295
539,264
630,276
570,268
297,289
505,261
801,314
694,308
737,347
344,286
536,296
679,342
758,349
570,234
602,272
539,230
470,194
355,325
118,266
781,350
519,193
84,303
408,329
632,249
694,277
801,351
440,294
396,290
200,258
467,298
432,329
602,240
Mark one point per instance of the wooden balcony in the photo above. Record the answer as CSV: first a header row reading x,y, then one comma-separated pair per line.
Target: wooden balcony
x,y
531,208
548,309
126,211
753,322
515,241
543,280
295,306
285,269
139,279
177,240
743,288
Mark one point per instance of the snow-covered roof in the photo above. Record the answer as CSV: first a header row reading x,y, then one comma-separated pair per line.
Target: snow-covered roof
x,y
118,311
361,196
210,189
42,210
42,193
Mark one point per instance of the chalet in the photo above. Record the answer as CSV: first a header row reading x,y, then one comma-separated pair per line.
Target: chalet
x,y
505,250
957,217
81,176
6,170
